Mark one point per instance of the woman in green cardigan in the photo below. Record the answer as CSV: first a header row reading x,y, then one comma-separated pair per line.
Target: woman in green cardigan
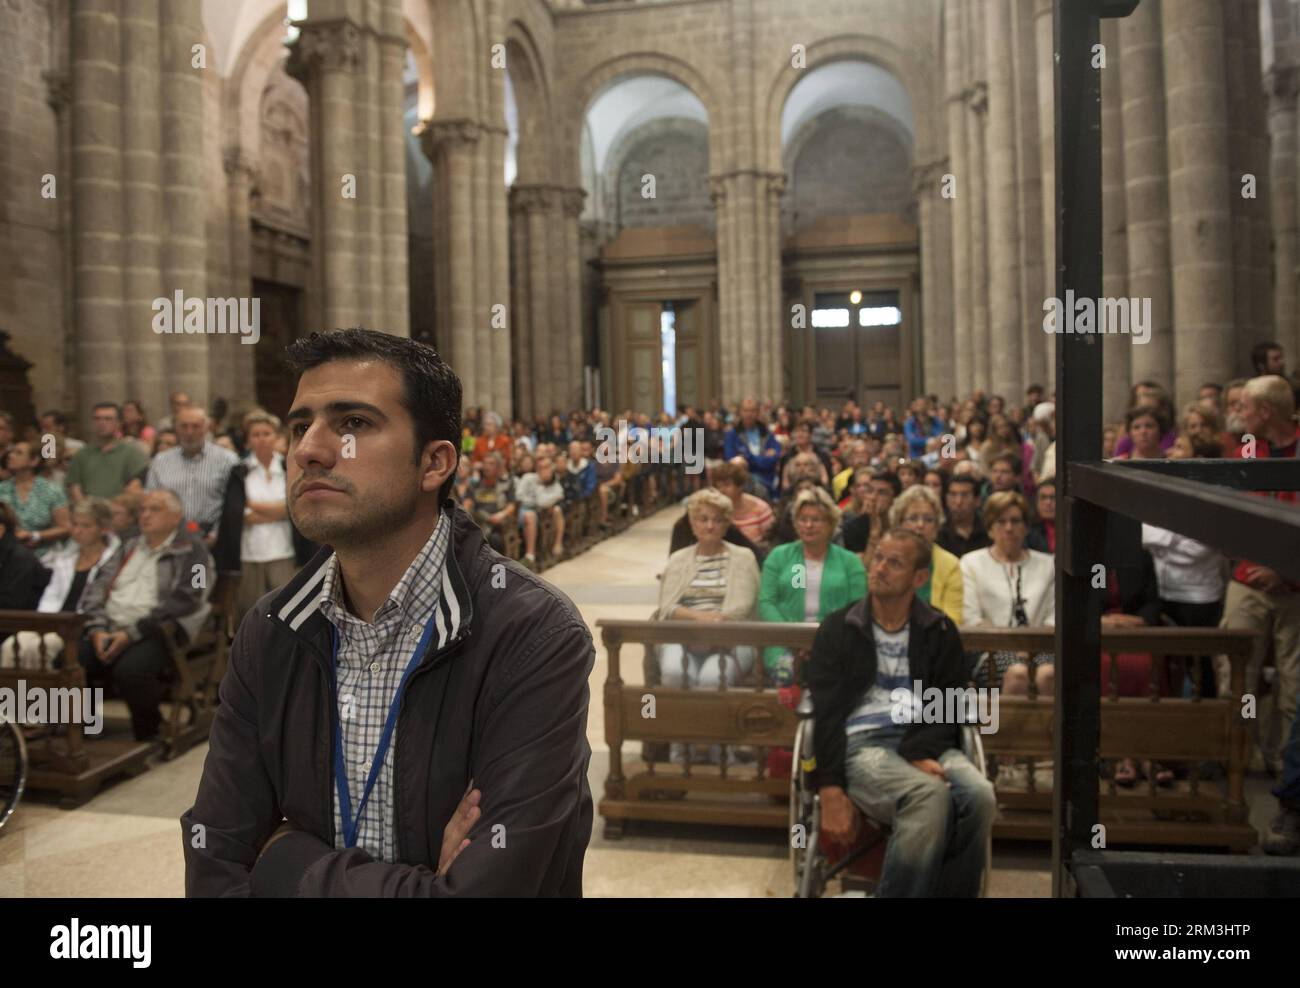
x,y
807,579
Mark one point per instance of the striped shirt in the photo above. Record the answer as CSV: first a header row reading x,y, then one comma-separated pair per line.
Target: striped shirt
x,y
709,588
371,660
198,480
879,714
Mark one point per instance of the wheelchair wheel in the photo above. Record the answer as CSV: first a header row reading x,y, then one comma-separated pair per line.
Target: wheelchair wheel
x,y
13,769
806,813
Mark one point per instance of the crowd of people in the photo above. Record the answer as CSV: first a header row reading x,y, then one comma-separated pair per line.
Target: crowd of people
x,y
785,519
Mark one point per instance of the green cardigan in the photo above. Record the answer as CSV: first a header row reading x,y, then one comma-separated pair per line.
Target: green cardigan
x,y
781,596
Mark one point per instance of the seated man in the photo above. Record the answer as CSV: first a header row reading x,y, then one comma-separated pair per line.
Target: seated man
x,y
492,500
870,750
538,492
150,580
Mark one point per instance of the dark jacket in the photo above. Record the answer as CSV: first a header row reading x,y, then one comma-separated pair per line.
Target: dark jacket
x,y
22,577
1139,590
682,536
180,602
228,548
843,665
500,697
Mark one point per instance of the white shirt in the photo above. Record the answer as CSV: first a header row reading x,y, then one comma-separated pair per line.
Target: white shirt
x,y
812,596
270,540
1187,571
135,590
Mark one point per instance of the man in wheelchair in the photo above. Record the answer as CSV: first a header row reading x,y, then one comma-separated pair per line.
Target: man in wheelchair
x,y
871,749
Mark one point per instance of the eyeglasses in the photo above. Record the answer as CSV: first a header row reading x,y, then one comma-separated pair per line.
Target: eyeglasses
x,y
920,520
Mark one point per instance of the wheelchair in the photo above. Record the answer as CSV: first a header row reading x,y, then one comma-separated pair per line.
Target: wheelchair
x,y
816,861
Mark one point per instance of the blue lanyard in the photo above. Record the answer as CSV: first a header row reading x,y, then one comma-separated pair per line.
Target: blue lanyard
x,y
352,826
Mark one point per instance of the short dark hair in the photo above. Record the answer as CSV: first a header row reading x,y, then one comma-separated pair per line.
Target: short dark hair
x,y
1147,411
891,479
431,391
964,478
921,554
117,409
1006,458
1260,351
59,418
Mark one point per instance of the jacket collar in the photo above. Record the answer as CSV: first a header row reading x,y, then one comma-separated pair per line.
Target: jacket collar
x,y
922,615
297,606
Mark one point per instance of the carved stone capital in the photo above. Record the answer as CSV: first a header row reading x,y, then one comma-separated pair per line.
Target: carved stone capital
x,y
325,46
717,190
925,176
775,186
531,198
572,201
435,134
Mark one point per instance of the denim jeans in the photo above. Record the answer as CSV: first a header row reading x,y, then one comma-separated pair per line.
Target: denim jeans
x,y
1288,787
940,829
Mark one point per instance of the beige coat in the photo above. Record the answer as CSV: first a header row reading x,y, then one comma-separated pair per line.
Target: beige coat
x,y
741,601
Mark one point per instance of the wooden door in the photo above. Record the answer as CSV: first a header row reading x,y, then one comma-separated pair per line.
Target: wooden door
x,y
281,325
643,389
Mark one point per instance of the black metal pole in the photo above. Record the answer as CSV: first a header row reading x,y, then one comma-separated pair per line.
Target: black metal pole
x,y
1078,401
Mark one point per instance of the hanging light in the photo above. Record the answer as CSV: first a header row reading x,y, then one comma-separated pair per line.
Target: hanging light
x,y
855,296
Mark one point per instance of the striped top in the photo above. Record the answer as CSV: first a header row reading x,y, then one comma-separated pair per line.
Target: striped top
x,y
198,480
880,713
371,660
709,588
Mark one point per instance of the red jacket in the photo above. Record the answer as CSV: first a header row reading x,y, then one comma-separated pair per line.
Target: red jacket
x,y
1264,451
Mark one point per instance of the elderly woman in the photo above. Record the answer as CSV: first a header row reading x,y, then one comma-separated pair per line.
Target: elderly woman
x,y
917,509
73,567
807,579
1006,586
711,580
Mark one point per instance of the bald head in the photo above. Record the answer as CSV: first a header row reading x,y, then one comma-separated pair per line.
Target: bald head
x,y
192,428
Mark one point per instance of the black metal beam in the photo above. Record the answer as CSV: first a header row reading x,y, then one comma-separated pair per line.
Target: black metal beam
x,y
1241,525
1075,806
1244,475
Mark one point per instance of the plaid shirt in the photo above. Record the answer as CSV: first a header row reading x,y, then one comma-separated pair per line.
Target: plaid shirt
x,y
371,660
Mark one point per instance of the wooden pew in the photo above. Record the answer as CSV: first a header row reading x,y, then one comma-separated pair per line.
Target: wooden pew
x,y
1171,729
68,761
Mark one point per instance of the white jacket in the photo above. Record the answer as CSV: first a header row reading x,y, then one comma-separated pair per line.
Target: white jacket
x,y
1188,572
988,589
63,567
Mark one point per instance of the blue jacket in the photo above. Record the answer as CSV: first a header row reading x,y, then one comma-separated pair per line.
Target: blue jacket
x,y
916,439
763,466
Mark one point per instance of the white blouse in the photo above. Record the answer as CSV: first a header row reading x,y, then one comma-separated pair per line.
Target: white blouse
x,y
989,589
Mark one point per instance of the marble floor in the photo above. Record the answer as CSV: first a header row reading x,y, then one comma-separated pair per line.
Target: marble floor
x,y
127,841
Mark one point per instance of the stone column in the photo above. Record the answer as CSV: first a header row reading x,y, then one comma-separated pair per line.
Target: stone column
x,y
1117,350
143,205
1146,188
936,343
326,57
575,329
1282,92
497,233
521,315
184,259
960,205
1003,214
740,264
1044,49
1240,163
979,239
450,145
1260,274
394,310
1199,190
728,337
240,176
58,95
98,225
779,384
1033,362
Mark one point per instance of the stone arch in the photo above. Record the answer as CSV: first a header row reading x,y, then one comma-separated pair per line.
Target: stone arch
x,y
262,51
426,98
636,63
869,48
532,91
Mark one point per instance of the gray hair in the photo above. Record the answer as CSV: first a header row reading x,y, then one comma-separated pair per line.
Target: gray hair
x,y
709,497
95,510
